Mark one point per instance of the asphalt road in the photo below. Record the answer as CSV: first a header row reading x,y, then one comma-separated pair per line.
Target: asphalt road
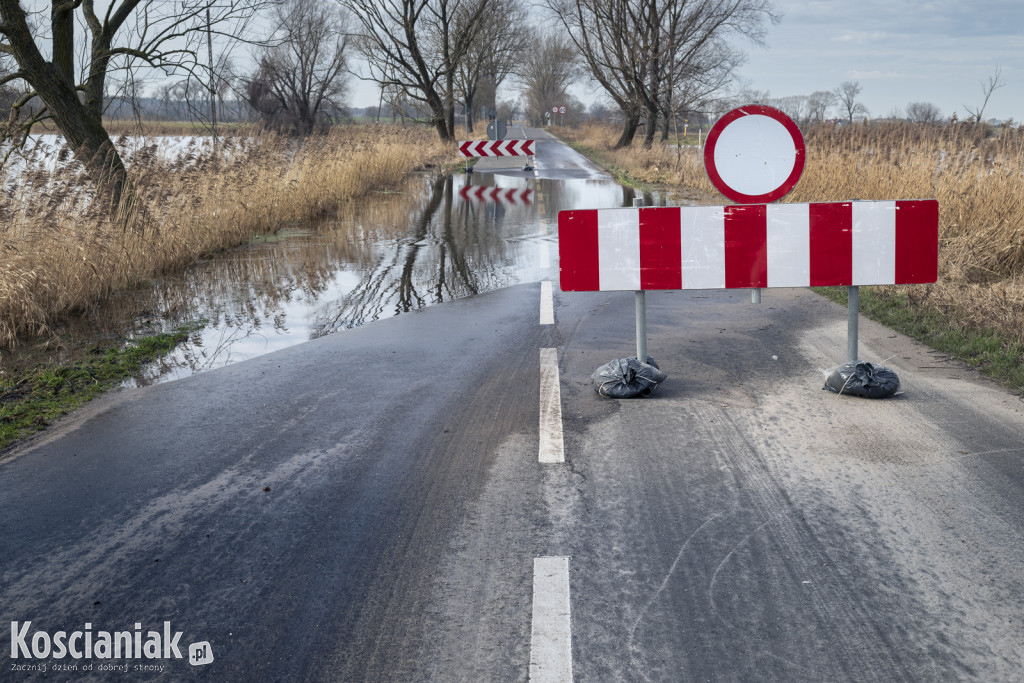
x,y
370,505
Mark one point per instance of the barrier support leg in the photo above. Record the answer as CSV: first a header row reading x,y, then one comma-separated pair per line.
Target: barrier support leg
x,y
641,326
853,310
641,310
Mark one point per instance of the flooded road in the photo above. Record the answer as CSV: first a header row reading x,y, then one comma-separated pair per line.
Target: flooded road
x,y
435,239
438,238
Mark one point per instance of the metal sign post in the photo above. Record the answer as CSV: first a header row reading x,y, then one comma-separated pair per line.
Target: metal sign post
x,y
640,297
852,318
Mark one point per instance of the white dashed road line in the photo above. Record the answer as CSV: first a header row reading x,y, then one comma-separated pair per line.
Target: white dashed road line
x,y
551,625
551,448
551,631
547,304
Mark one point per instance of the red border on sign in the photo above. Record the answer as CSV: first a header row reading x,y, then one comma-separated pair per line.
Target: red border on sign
x,y
787,185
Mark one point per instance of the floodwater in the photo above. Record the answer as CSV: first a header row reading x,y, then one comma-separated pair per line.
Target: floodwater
x,y
436,239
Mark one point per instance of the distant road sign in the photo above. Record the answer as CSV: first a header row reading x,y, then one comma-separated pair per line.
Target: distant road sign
x,y
554,110
561,110
754,154
496,129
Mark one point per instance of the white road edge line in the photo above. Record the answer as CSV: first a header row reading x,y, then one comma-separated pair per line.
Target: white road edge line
x,y
551,630
547,304
552,449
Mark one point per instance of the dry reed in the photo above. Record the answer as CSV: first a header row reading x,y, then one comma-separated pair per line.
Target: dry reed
x,y
976,176
62,254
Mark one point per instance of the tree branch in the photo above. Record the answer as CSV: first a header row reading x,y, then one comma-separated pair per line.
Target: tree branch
x,y
4,80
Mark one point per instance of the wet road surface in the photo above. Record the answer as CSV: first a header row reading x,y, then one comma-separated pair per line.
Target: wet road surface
x,y
369,505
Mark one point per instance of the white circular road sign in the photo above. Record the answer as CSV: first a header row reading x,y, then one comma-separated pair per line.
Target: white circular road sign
x,y
754,154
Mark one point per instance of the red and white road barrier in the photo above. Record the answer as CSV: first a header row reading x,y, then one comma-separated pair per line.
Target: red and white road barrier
x,y
496,148
502,195
753,245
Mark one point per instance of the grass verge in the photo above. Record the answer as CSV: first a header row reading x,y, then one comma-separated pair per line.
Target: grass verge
x,y
994,354
30,398
620,174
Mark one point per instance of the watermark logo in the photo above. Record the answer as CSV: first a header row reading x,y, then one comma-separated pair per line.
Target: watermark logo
x,y
88,644
200,653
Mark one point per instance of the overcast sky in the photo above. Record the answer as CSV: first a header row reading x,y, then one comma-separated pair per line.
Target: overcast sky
x,y
900,51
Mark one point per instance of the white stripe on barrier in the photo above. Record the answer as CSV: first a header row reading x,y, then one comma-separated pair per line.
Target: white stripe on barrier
x,y
789,245
703,246
874,243
619,249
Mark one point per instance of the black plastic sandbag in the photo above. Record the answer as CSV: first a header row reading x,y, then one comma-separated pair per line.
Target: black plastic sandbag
x,y
627,378
861,378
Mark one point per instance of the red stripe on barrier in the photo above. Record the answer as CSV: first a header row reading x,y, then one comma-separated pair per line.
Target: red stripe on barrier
x,y
661,252
578,251
746,246
917,241
831,242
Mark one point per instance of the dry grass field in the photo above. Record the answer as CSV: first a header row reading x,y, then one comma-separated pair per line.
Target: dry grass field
x,y
977,177
62,254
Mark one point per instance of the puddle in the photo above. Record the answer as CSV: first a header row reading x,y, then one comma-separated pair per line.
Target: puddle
x,y
437,239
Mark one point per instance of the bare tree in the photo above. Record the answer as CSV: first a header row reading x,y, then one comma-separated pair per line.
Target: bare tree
x,y
508,110
692,80
923,112
847,93
995,81
493,55
301,75
794,106
163,34
416,46
651,55
547,70
818,104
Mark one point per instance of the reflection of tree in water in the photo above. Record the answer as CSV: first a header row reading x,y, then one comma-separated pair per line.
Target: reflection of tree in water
x,y
454,250
393,253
